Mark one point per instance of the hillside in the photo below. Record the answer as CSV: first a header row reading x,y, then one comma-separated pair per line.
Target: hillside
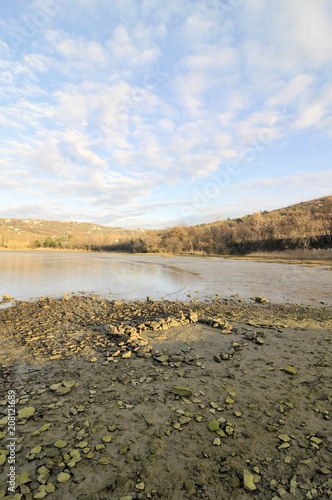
x,y
36,233
303,225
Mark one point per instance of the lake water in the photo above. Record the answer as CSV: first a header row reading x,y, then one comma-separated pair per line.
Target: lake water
x,y
32,274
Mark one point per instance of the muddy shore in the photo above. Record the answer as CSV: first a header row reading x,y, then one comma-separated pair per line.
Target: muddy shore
x,y
222,399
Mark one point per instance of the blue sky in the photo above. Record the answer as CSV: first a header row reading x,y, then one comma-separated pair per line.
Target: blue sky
x,y
145,113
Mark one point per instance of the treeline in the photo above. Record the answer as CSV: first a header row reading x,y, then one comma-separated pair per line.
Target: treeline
x,y
301,226
305,225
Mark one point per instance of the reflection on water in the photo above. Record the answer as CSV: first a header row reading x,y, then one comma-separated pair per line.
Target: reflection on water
x,y
26,275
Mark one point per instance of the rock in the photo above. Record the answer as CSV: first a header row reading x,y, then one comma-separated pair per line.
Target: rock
x,y
189,486
214,426
140,486
126,355
182,391
69,383
50,488
7,298
229,430
113,330
162,359
234,482
248,480
284,437
273,485
26,412
217,358
40,494
291,370
63,477
229,400
55,387
251,335
108,438
122,481
216,442
23,478
193,317
60,444
316,440
35,450
324,471
63,390
260,300
272,428
44,427
177,358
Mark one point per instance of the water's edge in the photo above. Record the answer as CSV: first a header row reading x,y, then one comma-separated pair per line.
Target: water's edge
x,y
28,275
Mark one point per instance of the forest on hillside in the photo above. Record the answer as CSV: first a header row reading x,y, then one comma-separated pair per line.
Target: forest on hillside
x,y
301,226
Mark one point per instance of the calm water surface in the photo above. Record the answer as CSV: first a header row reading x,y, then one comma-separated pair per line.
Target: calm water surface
x,y
26,275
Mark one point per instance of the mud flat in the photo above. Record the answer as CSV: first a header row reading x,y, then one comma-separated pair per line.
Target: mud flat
x,y
223,399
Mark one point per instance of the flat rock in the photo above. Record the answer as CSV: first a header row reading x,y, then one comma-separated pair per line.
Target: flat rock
x,y
163,358
63,477
291,370
181,390
248,480
60,444
214,426
26,412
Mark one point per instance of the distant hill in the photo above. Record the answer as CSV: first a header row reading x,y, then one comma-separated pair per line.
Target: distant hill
x,y
36,233
303,225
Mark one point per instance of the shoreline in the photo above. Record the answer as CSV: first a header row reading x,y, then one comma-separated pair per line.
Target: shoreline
x,y
167,399
307,262
192,367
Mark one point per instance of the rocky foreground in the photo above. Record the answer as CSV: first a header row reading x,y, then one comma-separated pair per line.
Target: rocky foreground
x,y
225,399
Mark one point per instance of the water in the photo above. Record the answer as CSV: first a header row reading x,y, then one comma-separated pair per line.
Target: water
x,y
28,275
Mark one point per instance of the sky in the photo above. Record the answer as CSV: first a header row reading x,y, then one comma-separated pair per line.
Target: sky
x,y
149,114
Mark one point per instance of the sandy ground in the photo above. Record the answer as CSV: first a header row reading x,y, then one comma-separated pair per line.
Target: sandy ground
x,y
222,400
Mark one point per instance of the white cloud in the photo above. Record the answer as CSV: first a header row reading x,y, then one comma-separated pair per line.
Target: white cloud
x,y
314,113
213,59
294,90
37,62
133,49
